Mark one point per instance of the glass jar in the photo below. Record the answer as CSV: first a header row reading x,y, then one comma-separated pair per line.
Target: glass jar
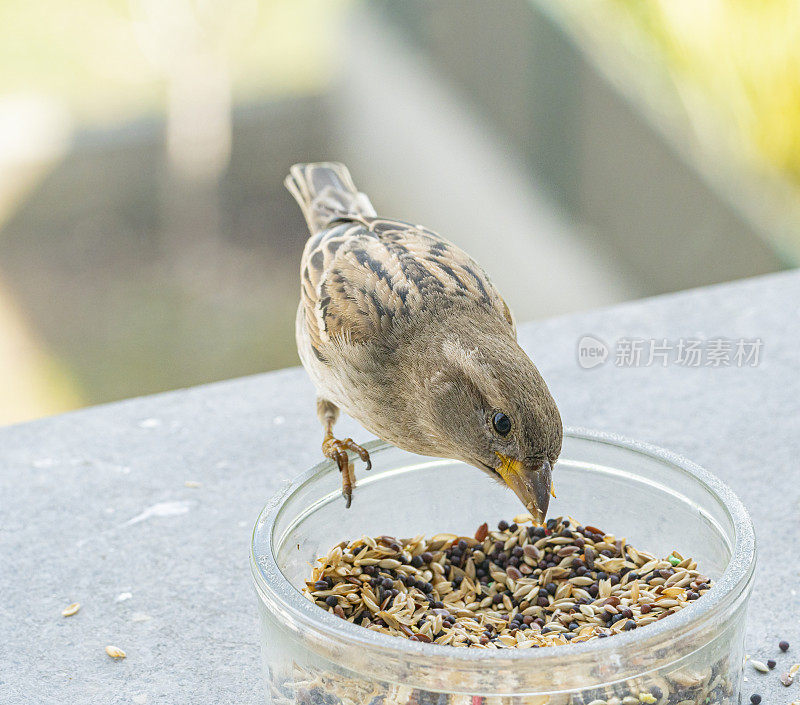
x,y
656,499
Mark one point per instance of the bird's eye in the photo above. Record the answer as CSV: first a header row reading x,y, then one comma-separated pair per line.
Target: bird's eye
x,y
501,423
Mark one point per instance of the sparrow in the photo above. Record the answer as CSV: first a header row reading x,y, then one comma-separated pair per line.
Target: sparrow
x,y
406,333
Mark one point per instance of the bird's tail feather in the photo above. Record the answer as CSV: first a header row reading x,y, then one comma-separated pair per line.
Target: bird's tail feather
x,y
325,192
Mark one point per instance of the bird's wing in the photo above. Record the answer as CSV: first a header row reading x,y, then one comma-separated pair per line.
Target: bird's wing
x,y
361,278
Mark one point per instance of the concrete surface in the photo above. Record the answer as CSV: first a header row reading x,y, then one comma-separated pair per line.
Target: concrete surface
x,y
95,509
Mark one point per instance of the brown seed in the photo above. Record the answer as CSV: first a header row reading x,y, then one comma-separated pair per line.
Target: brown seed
x,y
71,609
115,652
443,600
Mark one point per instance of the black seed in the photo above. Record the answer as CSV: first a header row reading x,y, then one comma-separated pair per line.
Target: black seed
x,y
755,698
427,557
417,561
331,601
783,645
502,525
771,664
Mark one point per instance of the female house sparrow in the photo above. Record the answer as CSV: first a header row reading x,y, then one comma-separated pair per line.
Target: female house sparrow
x,y
405,332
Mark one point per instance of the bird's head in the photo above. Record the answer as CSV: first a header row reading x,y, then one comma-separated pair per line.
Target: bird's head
x,y
493,410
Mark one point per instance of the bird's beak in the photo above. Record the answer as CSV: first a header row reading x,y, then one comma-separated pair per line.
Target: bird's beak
x,y
532,485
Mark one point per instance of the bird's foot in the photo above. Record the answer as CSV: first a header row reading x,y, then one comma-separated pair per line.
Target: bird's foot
x,y
337,450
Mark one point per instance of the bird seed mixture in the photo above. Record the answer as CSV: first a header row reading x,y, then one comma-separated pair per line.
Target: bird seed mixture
x,y
519,586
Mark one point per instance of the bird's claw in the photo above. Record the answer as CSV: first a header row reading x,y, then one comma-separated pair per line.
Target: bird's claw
x,y
337,450
350,444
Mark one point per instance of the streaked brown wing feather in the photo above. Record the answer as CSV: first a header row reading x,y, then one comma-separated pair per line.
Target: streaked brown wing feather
x,y
360,278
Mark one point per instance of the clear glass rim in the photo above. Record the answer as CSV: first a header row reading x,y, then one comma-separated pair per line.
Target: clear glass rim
x,y
731,587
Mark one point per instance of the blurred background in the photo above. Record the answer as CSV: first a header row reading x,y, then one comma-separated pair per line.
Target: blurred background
x,y
585,153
